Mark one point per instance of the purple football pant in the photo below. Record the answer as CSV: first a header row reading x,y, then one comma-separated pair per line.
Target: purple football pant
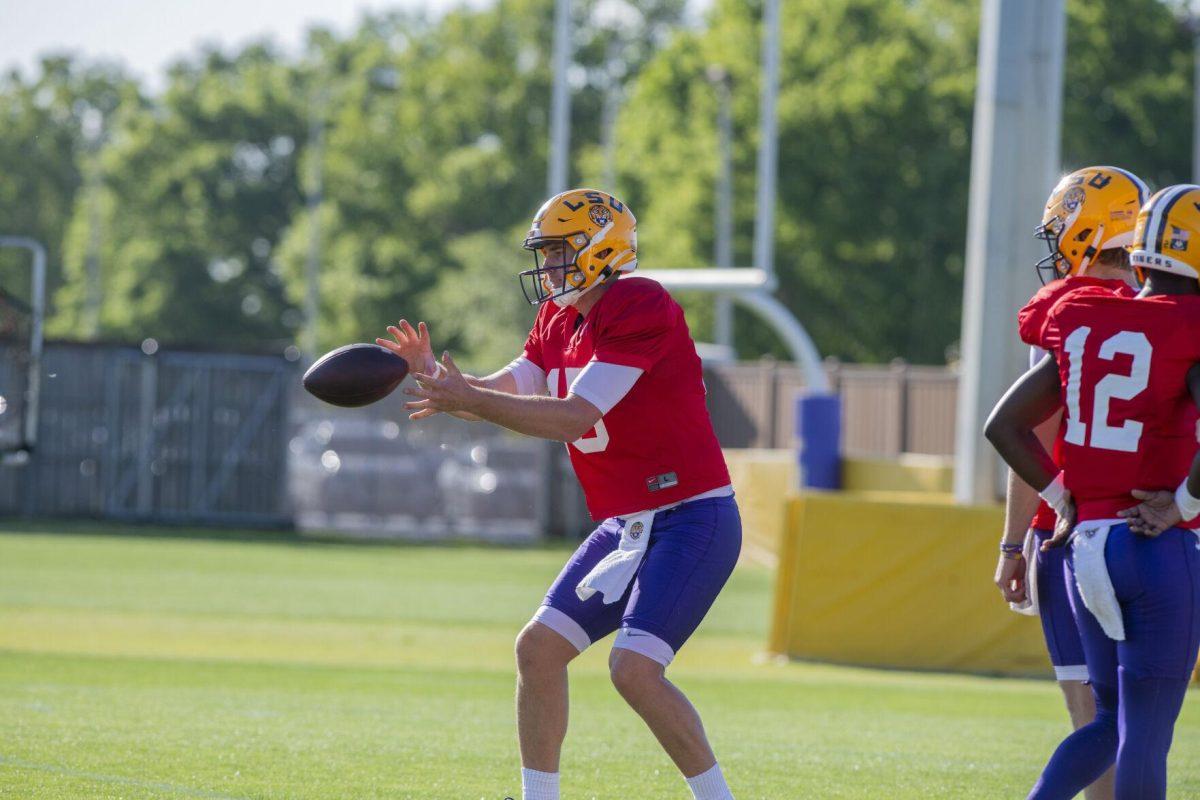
x,y
1139,683
1054,606
692,550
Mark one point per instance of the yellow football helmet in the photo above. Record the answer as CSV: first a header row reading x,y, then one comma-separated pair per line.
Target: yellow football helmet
x,y
599,235
1165,229
1090,210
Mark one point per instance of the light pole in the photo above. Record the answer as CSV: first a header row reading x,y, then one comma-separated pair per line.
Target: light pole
x,y
768,146
560,102
92,124
718,76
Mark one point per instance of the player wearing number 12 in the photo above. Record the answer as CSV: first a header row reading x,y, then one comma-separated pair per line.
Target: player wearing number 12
x,y
609,368
1128,373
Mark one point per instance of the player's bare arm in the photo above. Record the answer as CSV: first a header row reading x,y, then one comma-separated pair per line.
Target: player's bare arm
x,y
1020,504
1011,429
1160,510
563,420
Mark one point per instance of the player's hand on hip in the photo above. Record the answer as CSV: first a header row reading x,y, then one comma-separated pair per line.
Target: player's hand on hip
x,y
1010,577
1064,525
441,389
1154,514
411,344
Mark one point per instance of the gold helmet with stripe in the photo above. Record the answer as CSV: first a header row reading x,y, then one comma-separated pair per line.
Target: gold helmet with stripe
x,y
1167,237
579,239
1090,210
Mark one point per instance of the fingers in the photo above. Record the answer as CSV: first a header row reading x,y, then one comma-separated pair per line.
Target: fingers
x,y
400,336
408,329
449,364
423,413
388,344
423,332
1142,494
419,405
1015,594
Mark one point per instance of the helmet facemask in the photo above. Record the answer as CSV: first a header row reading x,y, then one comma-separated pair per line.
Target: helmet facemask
x,y
561,283
1055,265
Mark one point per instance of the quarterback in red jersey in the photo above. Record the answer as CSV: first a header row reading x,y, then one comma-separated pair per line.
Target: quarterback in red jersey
x,y
1087,223
1128,373
610,369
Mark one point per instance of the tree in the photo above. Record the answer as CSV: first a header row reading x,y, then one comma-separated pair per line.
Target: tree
x,y
197,191
43,150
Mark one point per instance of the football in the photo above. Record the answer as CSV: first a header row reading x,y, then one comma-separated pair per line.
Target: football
x,y
355,375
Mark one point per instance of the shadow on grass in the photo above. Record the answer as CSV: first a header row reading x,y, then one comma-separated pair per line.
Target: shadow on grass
x,y
288,537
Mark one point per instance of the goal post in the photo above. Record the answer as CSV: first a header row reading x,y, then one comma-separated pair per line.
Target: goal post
x,y
21,355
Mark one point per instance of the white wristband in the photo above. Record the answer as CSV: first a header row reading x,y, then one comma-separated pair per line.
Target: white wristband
x,y
1055,494
1189,507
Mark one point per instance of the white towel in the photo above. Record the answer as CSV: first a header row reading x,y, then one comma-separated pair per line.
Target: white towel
x,y
1029,606
1091,576
612,575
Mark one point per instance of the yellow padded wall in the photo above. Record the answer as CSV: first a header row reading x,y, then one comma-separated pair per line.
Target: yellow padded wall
x,y
897,583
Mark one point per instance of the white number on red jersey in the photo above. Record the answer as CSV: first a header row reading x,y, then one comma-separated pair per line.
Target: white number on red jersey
x,y
1120,387
597,441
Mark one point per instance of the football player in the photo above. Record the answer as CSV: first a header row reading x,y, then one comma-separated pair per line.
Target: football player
x,y
610,369
1087,225
1128,372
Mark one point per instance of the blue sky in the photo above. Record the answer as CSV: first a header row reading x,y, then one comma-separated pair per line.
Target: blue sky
x,y
146,35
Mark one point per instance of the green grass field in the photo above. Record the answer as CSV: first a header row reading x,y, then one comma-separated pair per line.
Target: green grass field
x,y
141,666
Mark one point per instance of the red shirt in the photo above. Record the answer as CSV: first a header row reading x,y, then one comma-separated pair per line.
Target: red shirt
x,y
1130,422
1030,321
656,446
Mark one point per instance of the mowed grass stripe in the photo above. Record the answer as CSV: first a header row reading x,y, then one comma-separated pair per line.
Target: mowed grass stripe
x,y
268,671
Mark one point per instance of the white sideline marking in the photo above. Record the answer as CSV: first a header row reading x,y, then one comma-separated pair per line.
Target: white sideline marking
x,y
96,776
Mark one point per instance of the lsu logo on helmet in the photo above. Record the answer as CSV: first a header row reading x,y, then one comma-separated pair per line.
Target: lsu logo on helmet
x,y
598,235
1092,209
1167,236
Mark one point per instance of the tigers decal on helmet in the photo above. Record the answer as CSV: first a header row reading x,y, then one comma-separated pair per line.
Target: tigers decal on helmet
x,y
595,228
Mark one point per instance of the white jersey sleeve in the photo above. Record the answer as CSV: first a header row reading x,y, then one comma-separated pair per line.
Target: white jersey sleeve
x,y
529,376
603,385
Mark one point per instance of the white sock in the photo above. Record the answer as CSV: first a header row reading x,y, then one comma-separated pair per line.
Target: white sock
x,y
710,785
539,785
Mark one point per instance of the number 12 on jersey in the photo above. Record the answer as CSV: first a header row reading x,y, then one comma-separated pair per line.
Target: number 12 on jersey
x,y
1110,387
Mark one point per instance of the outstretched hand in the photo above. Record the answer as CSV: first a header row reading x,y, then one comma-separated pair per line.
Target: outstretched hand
x,y
1154,514
413,345
441,389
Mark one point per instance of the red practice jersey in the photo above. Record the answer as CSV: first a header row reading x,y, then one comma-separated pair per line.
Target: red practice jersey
x,y
1130,422
656,446
1031,320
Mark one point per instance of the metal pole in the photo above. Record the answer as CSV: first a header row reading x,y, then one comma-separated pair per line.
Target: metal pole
x,y
764,228
312,297
723,224
560,101
1014,164
1194,24
94,133
37,303
612,104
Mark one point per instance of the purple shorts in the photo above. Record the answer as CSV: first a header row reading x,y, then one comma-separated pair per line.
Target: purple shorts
x,y
1054,605
692,550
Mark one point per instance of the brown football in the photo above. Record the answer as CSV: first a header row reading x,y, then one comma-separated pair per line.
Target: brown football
x,y
355,375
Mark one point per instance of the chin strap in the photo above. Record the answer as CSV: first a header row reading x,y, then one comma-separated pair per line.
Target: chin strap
x,y
1091,251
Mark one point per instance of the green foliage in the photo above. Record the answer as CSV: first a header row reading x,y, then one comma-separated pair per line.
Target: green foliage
x,y
433,139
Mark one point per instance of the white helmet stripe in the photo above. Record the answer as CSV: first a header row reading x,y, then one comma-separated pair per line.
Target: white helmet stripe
x,y
1157,224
